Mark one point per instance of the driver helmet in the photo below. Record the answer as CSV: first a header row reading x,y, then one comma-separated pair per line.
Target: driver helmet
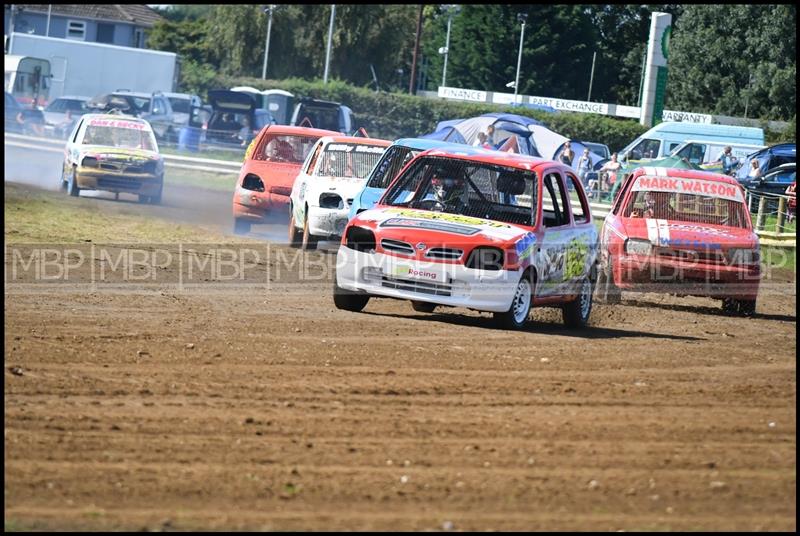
x,y
446,188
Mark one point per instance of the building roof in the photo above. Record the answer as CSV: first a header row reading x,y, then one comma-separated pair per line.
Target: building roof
x,y
137,14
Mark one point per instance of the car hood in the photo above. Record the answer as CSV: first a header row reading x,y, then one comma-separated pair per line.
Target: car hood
x,y
118,153
688,235
438,228
347,188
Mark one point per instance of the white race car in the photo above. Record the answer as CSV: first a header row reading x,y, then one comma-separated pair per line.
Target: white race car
x,y
116,153
491,232
334,172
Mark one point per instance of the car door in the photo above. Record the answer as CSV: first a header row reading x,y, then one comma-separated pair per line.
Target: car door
x,y
558,231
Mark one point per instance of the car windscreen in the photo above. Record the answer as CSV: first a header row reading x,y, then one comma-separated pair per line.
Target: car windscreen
x,y
687,200
124,137
467,188
326,118
65,105
182,106
390,165
287,148
142,103
349,160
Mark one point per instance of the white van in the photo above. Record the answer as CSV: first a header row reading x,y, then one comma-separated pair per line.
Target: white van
x,y
705,152
664,138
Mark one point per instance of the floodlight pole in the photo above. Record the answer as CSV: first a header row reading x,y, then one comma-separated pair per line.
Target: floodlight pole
x,y
270,9
522,17
330,39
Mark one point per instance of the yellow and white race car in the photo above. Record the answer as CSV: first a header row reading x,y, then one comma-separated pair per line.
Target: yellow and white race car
x,y
116,153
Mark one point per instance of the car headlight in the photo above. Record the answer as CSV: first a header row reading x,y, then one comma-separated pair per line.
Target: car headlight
x,y
743,256
360,239
89,161
485,258
637,246
328,200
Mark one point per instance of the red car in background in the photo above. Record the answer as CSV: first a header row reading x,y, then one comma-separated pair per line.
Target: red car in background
x,y
682,232
271,163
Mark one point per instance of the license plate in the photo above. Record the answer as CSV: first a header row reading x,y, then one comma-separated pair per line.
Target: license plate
x,y
414,273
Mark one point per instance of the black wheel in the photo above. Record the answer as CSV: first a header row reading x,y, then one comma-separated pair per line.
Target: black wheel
x,y
72,185
607,291
576,313
241,226
309,241
142,198
294,236
423,307
729,305
747,307
156,199
348,300
63,179
517,314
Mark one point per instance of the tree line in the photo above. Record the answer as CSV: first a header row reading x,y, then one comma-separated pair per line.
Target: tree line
x,y
723,59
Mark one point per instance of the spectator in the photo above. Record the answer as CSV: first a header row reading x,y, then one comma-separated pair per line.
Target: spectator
x,y
567,155
481,141
727,160
490,135
584,166
244,132
755,170
608,171
791,206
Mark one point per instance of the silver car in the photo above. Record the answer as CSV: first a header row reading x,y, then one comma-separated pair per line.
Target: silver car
x,y
62,113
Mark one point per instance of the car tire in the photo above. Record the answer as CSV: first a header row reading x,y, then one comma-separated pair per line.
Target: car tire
x,y
156,199
72,185
64,183
576,313
143,199
294,236
348,300
423,307
308,241
517,314
241,226
746,307
607,291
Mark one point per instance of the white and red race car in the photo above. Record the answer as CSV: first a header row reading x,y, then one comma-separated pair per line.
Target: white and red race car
x,y
493,232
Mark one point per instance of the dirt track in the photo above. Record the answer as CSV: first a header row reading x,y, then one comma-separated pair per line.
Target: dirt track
x,y
263,407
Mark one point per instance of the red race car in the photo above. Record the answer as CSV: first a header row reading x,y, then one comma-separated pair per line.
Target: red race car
x,y
271,163
683,232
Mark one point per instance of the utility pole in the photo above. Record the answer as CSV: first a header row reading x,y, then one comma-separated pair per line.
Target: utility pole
x,y
412,80
269,9
330,39
641,79
49,10
11,29
522,17
591,77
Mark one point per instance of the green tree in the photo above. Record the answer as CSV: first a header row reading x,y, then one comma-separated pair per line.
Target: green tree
x,y
726,60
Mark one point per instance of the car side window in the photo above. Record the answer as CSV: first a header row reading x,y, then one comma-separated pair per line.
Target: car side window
x,y
647,148
313,160
158,108
555,211
579,214
620,193
77,129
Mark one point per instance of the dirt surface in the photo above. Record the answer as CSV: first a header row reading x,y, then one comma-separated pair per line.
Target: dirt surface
x,y
255,404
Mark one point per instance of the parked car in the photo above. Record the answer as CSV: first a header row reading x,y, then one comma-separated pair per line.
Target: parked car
x,y
772,185
684,232
235,118
491,232
116,153
334,172
270,167
22,120
768,159
182,104
390,164
706,154
62,113
600,149
152,107
326,115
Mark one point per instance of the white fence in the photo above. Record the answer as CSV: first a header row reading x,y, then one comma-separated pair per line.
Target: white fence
x,y
170,160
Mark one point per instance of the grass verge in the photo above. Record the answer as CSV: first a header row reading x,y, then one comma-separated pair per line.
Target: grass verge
x,y
50,217
201,179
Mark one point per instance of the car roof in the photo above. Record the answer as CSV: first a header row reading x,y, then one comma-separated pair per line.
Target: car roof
x,y
73,97
110,117
685,174
299,131
422,144
484,156
357,140
180,95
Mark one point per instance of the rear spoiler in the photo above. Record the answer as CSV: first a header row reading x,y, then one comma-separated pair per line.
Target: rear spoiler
x,y
361,133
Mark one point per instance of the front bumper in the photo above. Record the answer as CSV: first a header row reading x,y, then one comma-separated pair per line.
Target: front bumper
x,y
440,283
327,222
691,278
100,179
